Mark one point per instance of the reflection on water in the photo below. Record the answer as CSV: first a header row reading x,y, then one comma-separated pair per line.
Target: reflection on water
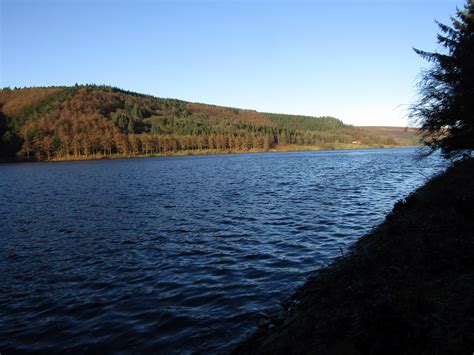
x,y
179,254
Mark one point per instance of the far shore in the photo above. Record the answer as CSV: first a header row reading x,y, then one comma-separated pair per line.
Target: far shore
x,y
277,149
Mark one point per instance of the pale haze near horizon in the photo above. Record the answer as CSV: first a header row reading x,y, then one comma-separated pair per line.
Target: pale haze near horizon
x,y
348,59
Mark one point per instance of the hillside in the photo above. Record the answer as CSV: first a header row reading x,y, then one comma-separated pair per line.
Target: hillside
x,y
403,135
405,288
87,121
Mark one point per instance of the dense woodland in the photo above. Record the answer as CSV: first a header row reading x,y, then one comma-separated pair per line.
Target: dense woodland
x,y
95,121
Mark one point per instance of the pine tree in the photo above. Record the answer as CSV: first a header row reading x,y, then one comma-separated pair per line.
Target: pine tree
x,y
445,109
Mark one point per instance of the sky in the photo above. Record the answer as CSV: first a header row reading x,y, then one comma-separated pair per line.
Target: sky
x,y
349,59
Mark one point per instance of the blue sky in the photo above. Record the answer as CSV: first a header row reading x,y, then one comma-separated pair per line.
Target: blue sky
x,y
348,59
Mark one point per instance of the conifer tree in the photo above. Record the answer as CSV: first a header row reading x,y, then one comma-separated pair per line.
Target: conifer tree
x,y
445,108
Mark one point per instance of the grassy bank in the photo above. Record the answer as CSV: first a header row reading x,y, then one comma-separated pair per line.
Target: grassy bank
x,y
407,287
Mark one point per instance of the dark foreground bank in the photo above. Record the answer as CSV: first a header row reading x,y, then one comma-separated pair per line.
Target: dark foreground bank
x,y
407,287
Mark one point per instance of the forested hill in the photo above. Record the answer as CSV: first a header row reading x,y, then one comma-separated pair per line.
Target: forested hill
x,y
96,121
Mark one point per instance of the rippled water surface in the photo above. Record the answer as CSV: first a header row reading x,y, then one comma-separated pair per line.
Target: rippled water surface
x,y
179,254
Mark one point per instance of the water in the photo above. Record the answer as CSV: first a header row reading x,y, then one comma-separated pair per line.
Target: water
x,y
179,254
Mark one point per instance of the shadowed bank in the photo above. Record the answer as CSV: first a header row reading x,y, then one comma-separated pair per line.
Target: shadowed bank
x,y
406,287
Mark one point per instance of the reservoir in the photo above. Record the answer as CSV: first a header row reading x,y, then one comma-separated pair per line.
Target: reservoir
x,y
180,254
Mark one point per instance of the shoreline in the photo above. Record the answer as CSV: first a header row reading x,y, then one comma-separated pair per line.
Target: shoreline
x,y
202,152
405,287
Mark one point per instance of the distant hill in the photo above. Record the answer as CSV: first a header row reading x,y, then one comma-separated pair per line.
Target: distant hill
x,y
91,121
403,135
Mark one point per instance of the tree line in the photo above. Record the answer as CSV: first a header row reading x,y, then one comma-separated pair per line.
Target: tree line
x,y
93,136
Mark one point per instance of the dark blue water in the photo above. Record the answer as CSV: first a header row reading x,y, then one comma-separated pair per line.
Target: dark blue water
x,y
179,254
